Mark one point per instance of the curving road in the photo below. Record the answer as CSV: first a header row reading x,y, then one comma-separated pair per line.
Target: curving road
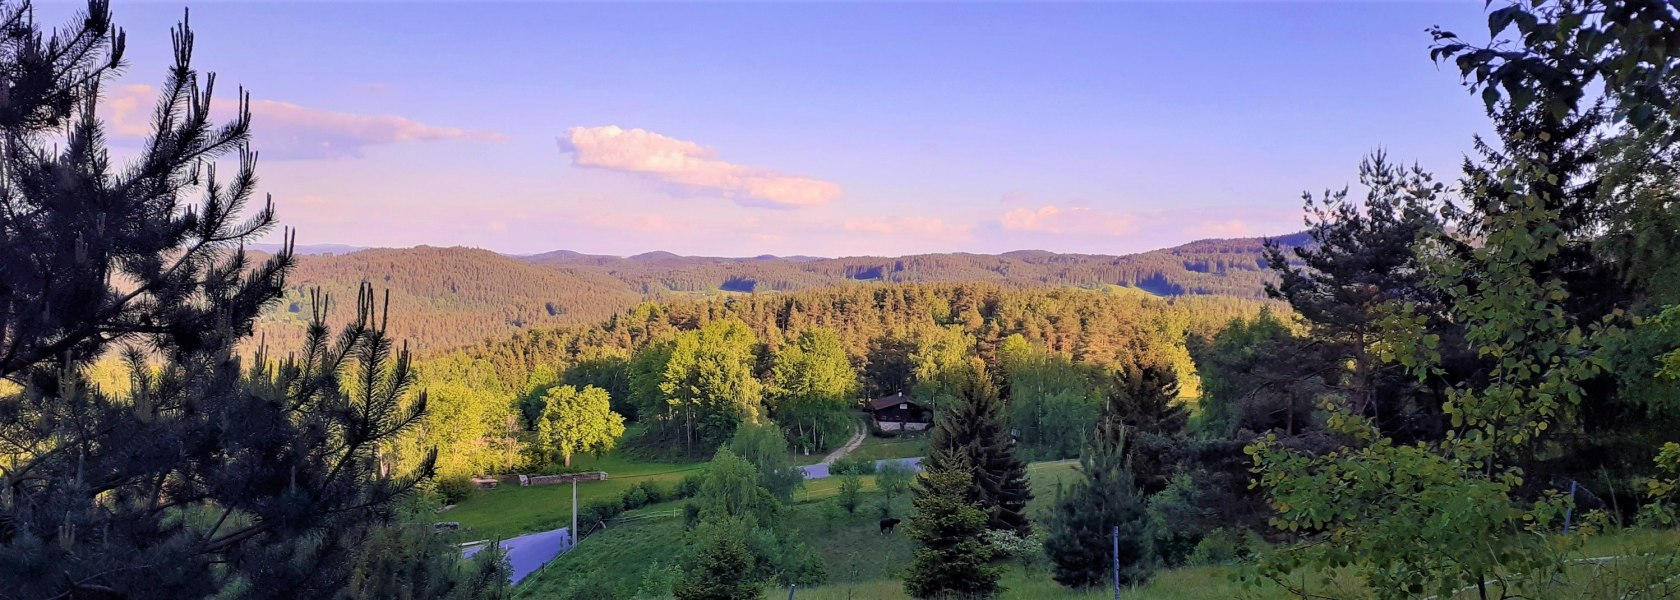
x,y
530,552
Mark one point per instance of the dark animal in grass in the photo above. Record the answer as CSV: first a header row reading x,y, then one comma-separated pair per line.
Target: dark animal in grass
x,y
887,525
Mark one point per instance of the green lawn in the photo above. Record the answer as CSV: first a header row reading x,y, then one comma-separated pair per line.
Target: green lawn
x,y
908,445
511,510
862,563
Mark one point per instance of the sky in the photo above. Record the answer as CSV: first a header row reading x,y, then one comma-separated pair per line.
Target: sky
x,y
826,129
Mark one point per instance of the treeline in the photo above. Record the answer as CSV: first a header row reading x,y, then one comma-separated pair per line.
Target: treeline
x,y
447,297
452,297
689,372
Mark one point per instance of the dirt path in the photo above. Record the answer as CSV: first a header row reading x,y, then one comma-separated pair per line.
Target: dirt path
x,y
851,444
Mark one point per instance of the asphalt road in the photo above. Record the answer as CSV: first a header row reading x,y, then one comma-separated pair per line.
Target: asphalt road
x,y
529,552
820,470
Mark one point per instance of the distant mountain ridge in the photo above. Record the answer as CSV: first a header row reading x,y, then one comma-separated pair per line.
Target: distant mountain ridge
x,y
442,298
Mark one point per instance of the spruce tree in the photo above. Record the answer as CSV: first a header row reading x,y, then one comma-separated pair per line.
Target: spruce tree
x,y
1149,391
1081,526
952,556
210,478
973,430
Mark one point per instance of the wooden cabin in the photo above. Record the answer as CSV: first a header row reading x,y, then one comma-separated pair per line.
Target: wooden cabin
x,y
899,413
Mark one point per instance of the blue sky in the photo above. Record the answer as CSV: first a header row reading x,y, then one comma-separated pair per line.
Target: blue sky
x,y
811,128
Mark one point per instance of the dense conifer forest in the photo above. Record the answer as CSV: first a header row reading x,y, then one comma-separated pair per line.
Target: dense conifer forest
x,y
452,297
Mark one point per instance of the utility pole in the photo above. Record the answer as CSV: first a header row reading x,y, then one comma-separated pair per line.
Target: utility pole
x,y
1116,562
573,533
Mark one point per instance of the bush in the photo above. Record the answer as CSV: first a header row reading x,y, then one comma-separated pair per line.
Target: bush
x,y
634,498
893,478
852,466
601,510
455,489
688,487
1225,546
655,493
851,493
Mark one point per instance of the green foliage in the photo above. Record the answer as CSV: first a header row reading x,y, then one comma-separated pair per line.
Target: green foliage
x,y
409,560
455,489
764,447
1079,532
1355,276
972,434
1178,520
722,569
212,474
709,384
1026,551
940,364
1245,386
952,555
472,427
851,489
1225,546
851,465
1049,395
730,488
893,479
574,421
815,388
1425,523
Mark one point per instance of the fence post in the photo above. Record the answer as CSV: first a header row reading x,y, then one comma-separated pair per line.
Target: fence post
x,y
1116,562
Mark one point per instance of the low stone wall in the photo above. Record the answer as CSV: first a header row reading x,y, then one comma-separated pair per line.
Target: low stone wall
x,y
520,479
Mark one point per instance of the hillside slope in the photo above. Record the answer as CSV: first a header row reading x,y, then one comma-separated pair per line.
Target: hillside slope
x,y
443,298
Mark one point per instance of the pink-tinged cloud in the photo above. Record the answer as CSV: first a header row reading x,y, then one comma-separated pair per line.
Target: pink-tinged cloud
x,y
690,165
922,227
1077,220
284,130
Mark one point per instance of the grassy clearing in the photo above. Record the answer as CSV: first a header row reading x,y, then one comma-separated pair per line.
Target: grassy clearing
x,y
864,564
610,564
511,510
907,445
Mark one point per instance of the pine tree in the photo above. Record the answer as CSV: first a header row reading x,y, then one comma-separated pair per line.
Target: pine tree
x,y
722,570
973,430
1081,526
952,556
207,478
1149,391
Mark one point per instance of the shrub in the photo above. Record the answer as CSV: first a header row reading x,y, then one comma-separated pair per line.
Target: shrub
x,y
601,510
635,497
851,493
1224,546
893,478
455,489
689,486
655,493
852,466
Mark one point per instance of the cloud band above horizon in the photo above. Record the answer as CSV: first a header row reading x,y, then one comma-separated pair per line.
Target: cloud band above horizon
x,y
692,166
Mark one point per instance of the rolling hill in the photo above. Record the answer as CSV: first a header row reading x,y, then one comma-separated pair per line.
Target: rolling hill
x,y
447,297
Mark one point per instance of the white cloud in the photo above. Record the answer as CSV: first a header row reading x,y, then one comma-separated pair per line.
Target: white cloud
x,y
690,165
1077,220
284,130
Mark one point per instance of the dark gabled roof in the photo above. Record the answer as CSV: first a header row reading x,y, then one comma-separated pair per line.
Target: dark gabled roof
x,y
890,401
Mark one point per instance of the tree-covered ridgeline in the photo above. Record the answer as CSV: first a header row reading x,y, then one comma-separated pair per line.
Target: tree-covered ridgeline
x,y
454,297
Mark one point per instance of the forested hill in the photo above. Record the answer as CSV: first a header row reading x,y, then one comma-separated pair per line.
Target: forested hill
x,y
448,297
